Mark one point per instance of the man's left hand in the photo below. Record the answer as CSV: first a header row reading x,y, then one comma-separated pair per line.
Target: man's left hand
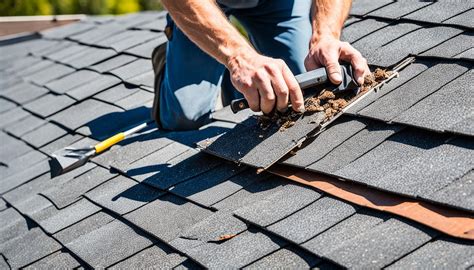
x,y
327,51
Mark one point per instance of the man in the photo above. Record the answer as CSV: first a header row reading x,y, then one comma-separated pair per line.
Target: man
x,y
288,37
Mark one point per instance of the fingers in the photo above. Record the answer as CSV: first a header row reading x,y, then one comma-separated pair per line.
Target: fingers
x,y
294,91
253,98
310,63
359,63
281,91
267,96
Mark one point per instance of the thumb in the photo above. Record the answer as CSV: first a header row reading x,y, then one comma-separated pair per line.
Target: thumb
x,y
334,72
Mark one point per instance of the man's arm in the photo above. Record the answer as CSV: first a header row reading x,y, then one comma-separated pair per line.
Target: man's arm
x,y
265,82
325,47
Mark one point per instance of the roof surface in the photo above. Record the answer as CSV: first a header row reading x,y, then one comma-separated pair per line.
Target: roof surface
x,y
155,200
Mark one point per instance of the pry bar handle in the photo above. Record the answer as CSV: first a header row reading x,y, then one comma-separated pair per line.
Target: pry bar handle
x,y
305,80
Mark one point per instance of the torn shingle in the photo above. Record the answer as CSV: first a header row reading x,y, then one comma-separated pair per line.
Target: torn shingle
x,y
109,244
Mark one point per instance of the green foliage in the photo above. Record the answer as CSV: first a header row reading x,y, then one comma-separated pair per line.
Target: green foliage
x,y
95,7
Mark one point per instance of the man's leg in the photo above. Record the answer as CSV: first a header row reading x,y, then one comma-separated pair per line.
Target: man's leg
x,y
280,29
190,84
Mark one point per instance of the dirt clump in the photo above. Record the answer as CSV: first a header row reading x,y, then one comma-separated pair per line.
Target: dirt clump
x,y
325,101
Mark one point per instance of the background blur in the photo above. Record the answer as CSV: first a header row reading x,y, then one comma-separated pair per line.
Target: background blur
x,y
58,7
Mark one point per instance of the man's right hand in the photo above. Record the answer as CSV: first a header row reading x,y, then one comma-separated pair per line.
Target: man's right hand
x,y
265,82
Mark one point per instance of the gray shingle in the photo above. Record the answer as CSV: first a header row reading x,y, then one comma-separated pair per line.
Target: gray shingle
x,y
286,258
23,92
69,51
127,39
226,114
325,142
361,29
50,73
89,57
13,225
84,113
132,69
156,25
3,263
3,205
66,30
28,248
145,50
381,245
60,143
71,81
397,101
432,170
354,147
123,195
383,159
404,76
312,220
113,63
12,115
133,149
279,205
452,47
117,92
456,95
343,232
24,126
413,43
440,11
66,193
93,87
442,253
34,68
459,193
43,135
273,142
12,148
100,32
49,104
176,170
462,19
167,216
53,220
263,187
23,176
468,54
6,105
21,163
135,100
108,244
158,256
56,260
146,79
362,7
399,8
234,253
83,227
196,188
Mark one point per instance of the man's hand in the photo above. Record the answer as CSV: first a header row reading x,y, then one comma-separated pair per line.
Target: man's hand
x,y
328,51
325,48
265,82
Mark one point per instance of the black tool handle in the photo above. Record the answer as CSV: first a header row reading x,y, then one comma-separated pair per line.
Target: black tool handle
x,y
305,80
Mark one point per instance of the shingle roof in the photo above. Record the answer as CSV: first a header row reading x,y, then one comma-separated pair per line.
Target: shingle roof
x,y
155,200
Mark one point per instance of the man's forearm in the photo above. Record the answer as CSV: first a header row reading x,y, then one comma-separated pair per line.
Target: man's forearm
x,y
329,17
204,23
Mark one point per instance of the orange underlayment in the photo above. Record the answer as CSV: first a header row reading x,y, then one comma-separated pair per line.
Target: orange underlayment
x,y
453,222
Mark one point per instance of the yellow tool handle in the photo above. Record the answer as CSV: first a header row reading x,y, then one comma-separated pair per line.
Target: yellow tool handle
x,y
104,145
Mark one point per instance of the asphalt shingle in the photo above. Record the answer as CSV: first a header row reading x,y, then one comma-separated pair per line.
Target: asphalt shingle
x,y
440,11
127,39
312,220
122,195
145,50
109,244
89,57
167,216
132,69
362,7
25,249
452,47
392,104
90,88
25,125
23,92
113,63
428,113
23,176
462,19
71,81
49,73
399,8
459,193
12,115
66,30
361,29
279,205
56,260
43,135
152,257
49,104
287,258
